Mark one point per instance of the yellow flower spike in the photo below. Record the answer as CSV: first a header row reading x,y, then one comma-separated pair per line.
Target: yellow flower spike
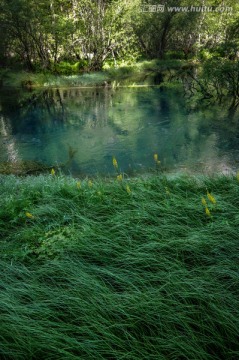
x,y
204,201
78,184
90,183
29,215
119,177
207,211
53,172
158,162
115,164
211,198
156,157
128,189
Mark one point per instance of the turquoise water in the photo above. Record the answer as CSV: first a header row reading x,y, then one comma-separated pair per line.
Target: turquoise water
x,y
84,128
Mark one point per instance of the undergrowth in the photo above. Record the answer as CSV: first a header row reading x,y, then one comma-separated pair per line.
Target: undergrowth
x,y
119,269
139,73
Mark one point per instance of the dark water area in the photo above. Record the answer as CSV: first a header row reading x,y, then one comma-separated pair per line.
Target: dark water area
x,y
83,128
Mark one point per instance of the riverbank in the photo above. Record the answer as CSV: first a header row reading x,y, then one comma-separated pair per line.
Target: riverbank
x,y
145,72
138,269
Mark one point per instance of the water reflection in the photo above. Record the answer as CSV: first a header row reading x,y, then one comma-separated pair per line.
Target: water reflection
x,y
83,128
8,142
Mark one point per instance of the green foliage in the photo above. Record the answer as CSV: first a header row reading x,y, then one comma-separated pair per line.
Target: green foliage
x,y
81,65
65,68
52,35
99,273
215,80
172,54
205,54
222,77
53,243
44,33
71,75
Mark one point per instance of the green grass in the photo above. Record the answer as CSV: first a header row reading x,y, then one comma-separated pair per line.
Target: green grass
x,y
99,273
139,73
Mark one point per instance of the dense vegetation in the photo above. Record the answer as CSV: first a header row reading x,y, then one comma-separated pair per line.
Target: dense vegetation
x,y
70,35
138,269
123,269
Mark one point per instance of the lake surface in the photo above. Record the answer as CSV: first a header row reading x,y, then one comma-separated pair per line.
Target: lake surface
x,y
84,128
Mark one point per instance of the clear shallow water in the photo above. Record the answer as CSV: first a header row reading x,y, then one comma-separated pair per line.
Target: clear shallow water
x,y
132,124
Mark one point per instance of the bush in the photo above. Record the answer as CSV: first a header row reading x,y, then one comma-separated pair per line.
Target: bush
x,y
81,65
206,54
65,68
170,55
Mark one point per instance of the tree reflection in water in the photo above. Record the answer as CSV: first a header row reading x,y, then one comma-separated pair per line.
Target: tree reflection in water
x,y
84,128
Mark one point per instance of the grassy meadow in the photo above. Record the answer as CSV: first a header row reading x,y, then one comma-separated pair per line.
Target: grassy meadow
x,y
139,269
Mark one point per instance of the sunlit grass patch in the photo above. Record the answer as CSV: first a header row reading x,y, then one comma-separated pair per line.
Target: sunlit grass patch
x,y
135,74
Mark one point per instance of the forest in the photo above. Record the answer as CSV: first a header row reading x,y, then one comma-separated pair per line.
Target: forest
x,y
70,37
53,34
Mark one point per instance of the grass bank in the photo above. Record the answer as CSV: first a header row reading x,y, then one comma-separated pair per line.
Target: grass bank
x,y
132,269
144,72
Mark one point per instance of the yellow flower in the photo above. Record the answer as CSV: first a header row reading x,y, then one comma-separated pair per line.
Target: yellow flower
x,y
128,189
53,172
90,183
119,177
167,190
158,162
78,184
204,201
29,215
207,211
115,164
211,198
156,157
238,175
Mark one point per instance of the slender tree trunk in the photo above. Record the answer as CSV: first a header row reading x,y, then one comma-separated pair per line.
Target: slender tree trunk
x,y
163,39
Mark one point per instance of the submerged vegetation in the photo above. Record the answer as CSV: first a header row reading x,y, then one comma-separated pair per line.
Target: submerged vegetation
x,y
22,168
143,268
